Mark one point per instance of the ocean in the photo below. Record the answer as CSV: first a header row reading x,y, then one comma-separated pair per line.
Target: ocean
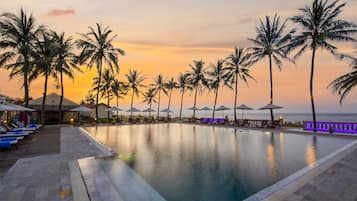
x,y
288,117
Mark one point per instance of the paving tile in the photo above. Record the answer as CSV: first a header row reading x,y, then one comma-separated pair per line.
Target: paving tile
x,y
46,177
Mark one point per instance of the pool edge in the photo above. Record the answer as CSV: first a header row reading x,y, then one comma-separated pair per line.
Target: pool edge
x,y
81,189
283,188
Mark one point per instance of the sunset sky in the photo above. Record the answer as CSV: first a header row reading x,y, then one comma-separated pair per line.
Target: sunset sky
x,y
163,36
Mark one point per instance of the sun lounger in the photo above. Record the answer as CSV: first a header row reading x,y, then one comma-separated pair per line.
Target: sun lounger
x,y
14,134
6,145
14,126
7,131
12,142
11,138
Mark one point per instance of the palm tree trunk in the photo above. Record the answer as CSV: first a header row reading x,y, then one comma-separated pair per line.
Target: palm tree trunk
x,y
183,91
194,104
158,105
215,103
108,101
26,82
131,105
99,65
61,99
43,115
168,106
312,86
117,108
271,87
150,111
236,95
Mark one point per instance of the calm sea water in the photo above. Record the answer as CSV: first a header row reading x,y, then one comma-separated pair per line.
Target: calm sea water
x,y
206,163
290,117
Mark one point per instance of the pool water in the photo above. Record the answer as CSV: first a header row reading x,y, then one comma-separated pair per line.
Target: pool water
x,y
207,163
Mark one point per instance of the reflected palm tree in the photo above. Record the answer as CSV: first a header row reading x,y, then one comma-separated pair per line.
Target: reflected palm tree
x,y
320,25
271,42
311,154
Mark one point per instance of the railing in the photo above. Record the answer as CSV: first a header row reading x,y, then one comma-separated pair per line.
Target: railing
x,y
338,127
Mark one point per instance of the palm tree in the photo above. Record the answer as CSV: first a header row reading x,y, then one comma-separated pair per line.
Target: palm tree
x,y
96,49
89,99
134,82
197,79
149,98
183,85
19,34
105,86
237,66
320,25
159,85
344,84
170,86
44,61
271,42
65,62
119,90
217,76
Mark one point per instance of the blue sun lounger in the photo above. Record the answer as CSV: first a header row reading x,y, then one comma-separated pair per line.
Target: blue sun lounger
x,y
5,144
11,138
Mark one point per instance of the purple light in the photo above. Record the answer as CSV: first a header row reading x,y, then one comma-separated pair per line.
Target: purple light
x,y
339,127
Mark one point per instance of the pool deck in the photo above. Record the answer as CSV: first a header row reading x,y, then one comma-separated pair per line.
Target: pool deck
x,y
337,180
46,176
44,173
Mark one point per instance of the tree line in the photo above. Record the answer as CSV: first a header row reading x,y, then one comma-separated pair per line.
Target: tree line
x,y
30,51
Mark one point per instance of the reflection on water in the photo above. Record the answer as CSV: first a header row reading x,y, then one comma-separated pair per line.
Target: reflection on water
x,y
311,153
202,163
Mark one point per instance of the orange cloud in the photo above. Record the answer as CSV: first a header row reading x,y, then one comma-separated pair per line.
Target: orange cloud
x,y
61,12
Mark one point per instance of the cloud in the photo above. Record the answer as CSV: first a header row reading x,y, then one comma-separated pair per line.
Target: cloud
x,y
188,44
61,12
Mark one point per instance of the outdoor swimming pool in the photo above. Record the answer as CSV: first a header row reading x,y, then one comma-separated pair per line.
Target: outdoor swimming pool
x,y
206,163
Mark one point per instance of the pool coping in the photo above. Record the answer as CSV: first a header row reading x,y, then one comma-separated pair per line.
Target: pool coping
x,y
79,188
285,187
106,150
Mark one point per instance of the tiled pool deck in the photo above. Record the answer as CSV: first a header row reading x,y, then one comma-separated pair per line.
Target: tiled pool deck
x,y
47,177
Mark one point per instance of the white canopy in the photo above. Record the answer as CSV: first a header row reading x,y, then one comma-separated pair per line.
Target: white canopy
x,y
205,109
222,108
244,107
81,109
193,108
21,108
5,107
113,109
148,110
270,107
13,107
167,110
133,109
